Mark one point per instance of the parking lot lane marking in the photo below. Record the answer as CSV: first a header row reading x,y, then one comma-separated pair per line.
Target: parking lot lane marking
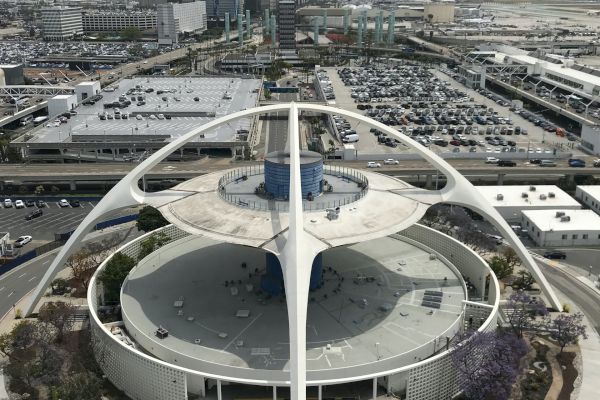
x,y
32,278
22,275
46,262
2,288
91,204
11,293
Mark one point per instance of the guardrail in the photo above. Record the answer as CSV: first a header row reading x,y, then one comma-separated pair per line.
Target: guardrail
x,y
266,204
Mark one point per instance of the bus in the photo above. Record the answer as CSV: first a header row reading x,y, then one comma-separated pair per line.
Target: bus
x,y
39,120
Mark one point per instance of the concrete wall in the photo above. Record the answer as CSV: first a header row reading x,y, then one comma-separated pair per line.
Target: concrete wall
x,y
543,237
590,138
61,104
592,202
87,89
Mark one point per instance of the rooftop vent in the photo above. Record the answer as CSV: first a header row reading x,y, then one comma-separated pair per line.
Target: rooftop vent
x,y
532,188
499,196
524,195
551,195
559,214
543,196
565,218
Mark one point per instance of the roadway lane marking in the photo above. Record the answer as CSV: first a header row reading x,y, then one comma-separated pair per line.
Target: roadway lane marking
x,y
31,279
2,288
22,275
11,293
46,262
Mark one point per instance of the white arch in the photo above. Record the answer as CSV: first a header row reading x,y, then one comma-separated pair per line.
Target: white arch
x,y
300,248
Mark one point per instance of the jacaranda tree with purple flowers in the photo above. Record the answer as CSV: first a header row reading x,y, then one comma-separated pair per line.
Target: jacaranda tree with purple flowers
x,y
566,329
521,310
487,363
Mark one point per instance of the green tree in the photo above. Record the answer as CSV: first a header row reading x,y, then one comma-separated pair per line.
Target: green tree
x,y
150,219
524,280
83,386
155,241
501,267
114,274
59,315
132,33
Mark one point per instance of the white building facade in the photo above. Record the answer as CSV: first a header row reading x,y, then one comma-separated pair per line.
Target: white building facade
x,y
562,228
61,23
87,89
119,21
590,196
175,19
510,201
61,104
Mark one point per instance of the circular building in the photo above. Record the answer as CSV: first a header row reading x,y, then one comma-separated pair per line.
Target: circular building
x,y
291,277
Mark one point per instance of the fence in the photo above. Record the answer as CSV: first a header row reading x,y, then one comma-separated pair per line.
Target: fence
x,y
264,204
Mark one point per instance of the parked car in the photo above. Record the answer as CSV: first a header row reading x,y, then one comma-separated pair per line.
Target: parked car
x,y
41,203
63,203
8,203
29,203
19,204
22,241
75,203
35,214
555,255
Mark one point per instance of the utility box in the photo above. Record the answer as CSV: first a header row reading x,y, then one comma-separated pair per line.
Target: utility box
x,y
85,90
61,104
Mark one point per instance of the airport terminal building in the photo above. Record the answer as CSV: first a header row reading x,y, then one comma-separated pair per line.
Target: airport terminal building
x,y
291,277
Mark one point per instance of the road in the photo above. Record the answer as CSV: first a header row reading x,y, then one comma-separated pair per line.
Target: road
x,y
20,281
276,134
578,293
581,258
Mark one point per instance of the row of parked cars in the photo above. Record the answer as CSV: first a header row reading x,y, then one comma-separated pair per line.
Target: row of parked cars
x,y
325,83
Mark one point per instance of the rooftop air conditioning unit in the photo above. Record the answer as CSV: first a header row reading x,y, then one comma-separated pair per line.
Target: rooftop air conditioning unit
x,y
499,197
524,195
560,214
542,197
551,195
532,188
565,218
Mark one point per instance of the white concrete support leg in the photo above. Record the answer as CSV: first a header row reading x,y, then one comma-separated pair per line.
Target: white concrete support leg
x,y
274,392
374,388
320,396
219,393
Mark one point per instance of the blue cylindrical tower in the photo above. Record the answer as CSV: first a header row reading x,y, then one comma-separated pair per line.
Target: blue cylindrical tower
x,y
277,174
272,281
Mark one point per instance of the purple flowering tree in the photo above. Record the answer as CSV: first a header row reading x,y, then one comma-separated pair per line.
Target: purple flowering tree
x,y
566,329
521,310
487,363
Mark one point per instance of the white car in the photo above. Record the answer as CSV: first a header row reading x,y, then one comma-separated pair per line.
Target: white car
x,y
373,164
63,203
161,116
139,117
391,161
22,240
152,116
491,160
19,204
8,203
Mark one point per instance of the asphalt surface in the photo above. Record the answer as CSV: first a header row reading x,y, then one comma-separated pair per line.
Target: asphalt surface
x,y
582,258
54,220
15,284
277,134
578,293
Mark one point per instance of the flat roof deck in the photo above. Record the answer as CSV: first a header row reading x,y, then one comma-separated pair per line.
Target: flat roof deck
x,y
363,323
210,92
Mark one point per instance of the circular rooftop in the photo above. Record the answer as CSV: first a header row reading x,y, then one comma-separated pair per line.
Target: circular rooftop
x,y
225,207
283,157
382,304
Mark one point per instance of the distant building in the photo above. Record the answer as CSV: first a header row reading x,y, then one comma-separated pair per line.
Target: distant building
x,y
218,8
439,12
559,228
151,3
590,196
61,23
112,21
286,24
175,19
13,74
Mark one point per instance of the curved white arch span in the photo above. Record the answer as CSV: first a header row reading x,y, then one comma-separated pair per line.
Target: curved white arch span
x,y
300,248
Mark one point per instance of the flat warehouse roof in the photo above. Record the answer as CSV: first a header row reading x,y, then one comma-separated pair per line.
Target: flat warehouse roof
x,y
177,101
579,220
512,196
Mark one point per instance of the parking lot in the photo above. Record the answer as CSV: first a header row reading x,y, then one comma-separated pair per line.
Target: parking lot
x,y
172,108
436,112
55,219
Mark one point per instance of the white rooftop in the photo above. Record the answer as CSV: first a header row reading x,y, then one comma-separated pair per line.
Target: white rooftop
x,y
63,96
591,190
512,196
580,220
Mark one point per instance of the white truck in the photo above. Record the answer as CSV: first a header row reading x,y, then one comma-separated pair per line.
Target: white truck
x,y
350,138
